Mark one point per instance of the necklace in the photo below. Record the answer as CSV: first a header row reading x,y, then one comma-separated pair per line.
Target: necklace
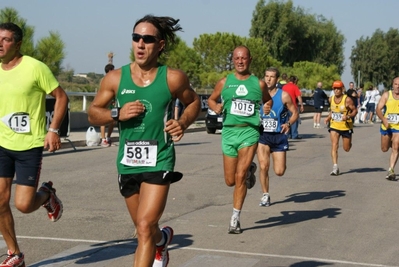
x,y
146,83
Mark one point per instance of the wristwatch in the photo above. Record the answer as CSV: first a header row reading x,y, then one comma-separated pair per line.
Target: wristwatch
x,y
289,124
115,114
57,131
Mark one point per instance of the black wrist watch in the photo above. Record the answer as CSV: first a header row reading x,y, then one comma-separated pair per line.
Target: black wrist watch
x,y
115,114
289,124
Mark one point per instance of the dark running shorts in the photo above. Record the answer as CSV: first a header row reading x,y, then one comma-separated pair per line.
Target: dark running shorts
x,y
318,109
346,134
278,142
25,165
129,184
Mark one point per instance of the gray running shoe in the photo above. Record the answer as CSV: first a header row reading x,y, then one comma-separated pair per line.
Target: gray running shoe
x,y
265,200
235,227
335,171
391,175
251,178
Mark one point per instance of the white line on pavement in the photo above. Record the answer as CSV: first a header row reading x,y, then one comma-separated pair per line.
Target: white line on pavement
x,y
286,257
221,251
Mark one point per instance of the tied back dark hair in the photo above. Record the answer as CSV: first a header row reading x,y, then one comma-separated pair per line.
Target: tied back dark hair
x,y
14,28
166,26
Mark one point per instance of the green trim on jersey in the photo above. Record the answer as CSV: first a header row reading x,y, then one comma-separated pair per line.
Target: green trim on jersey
x,y
150,125
24,89
244,90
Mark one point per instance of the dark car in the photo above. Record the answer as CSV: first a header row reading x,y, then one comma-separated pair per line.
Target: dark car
x,y
213,121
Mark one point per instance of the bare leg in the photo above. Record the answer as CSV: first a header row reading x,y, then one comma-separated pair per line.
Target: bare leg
x,y
27,200
146,209
102,131
263,154
395,151
235,170
334,136
110,129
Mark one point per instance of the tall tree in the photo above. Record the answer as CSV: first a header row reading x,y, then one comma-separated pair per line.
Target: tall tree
x,y
376,57
55,46
216,51
180,56
293,35
310,73
50,50
11,15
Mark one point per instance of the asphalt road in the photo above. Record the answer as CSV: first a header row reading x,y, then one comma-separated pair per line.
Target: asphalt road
x,y
315,219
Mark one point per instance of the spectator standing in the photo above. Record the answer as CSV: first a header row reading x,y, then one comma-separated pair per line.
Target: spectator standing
x,y
370,106
319,97
282,81
106,141
178,109
293,90
360,98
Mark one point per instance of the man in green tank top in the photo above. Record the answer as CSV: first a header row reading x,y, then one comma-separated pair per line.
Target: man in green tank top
x,y
145,92
242,94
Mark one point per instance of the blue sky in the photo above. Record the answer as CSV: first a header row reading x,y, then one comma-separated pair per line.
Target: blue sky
x,y
91,29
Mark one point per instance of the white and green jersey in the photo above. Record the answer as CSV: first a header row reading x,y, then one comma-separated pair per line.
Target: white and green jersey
x,y
241,101
144,145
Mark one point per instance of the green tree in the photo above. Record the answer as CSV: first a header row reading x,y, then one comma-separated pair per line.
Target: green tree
x,y
11,15
310,73
376,57
216,52
292,35
182,57
49,49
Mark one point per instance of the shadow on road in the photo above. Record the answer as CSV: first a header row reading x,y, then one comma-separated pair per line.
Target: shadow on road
x,y
311,196
363,170
310,264
296,216
108,251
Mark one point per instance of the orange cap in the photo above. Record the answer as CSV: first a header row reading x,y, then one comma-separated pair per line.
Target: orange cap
x,y
337,84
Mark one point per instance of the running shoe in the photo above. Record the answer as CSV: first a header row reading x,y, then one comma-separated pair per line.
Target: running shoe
x,y
235,227
13,260
53,205
265,200
162,254
251,178
105,142
391,175
335,171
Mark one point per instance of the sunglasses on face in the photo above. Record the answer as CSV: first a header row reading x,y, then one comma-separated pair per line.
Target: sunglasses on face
x,y
147,39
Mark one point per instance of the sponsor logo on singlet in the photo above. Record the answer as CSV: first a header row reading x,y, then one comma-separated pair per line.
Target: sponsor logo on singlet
x,y
128,91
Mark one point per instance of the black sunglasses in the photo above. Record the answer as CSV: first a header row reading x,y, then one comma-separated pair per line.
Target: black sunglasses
x,y
147,39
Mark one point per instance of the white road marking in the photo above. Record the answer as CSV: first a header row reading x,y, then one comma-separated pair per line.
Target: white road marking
x,y
221,251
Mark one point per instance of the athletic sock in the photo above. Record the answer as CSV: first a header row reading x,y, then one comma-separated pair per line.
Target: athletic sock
x,y
163,240
236,214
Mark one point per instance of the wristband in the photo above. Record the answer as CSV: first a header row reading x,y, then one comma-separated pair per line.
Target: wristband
x,y
57,131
